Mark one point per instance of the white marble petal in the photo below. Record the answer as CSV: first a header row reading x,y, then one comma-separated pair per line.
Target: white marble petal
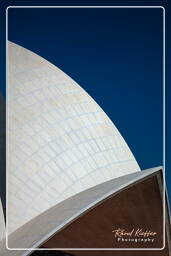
x,y
60,142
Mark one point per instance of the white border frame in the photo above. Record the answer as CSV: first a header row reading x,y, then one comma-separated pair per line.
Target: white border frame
x,y
164,95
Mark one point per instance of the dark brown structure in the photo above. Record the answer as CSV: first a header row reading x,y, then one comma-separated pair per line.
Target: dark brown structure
x,y
136,209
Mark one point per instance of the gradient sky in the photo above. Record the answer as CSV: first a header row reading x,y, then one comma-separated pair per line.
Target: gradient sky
x,y
115,55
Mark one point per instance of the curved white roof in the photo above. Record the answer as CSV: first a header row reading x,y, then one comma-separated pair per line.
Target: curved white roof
x,y
60,141
35,232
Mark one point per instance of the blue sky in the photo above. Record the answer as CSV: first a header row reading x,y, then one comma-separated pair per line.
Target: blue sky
x,y
115,55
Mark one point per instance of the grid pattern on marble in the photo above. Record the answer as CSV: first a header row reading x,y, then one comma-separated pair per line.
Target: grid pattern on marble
x,y
60,141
